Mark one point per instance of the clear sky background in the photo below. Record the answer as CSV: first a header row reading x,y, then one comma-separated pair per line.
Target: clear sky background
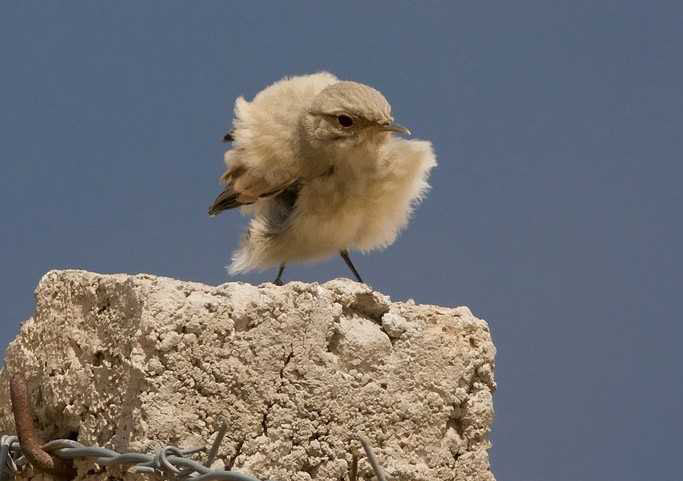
x,y
555,212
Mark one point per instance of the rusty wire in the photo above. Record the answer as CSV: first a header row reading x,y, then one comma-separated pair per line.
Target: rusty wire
x,y
30,443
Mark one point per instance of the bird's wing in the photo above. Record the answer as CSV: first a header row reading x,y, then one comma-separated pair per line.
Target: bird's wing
x,y
264,160
244,186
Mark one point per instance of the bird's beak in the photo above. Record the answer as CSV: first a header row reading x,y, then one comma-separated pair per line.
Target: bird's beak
x,y
395,128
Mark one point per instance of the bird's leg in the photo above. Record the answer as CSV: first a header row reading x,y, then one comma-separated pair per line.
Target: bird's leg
x,y
345,255
278,279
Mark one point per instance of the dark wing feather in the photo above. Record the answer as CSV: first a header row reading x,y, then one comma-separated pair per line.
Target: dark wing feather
x,y
281,208
228,199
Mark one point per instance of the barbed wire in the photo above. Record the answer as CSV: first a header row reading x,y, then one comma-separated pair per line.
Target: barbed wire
x,y
168,460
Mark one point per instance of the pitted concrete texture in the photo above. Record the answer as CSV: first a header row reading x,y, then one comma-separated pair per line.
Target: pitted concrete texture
x,y
136,362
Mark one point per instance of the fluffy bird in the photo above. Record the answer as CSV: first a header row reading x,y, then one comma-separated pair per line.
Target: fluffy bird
x,y
315,161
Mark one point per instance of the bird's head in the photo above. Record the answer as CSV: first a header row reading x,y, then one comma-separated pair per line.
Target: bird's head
x,y
349,113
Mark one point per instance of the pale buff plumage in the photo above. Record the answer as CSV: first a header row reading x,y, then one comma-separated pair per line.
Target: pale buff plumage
x,y
315,187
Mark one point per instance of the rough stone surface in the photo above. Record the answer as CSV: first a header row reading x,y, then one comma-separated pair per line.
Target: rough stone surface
x,y
137,362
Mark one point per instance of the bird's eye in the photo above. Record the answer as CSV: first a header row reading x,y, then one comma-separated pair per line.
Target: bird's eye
x,y
345,120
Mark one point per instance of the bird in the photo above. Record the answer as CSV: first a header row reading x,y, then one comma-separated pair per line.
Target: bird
x,y
322,169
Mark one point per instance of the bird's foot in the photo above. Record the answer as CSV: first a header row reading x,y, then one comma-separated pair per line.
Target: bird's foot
x,y
278,279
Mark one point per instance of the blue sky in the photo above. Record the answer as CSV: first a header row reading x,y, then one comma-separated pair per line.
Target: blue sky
x,y
555,211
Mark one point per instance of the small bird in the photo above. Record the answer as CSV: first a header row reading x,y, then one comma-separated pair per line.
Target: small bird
x,y
315,161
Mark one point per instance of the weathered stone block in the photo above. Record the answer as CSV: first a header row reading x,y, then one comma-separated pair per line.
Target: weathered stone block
x,y
137,362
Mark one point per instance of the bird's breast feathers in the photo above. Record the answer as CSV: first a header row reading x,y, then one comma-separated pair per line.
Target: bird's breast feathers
x,y
366,207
